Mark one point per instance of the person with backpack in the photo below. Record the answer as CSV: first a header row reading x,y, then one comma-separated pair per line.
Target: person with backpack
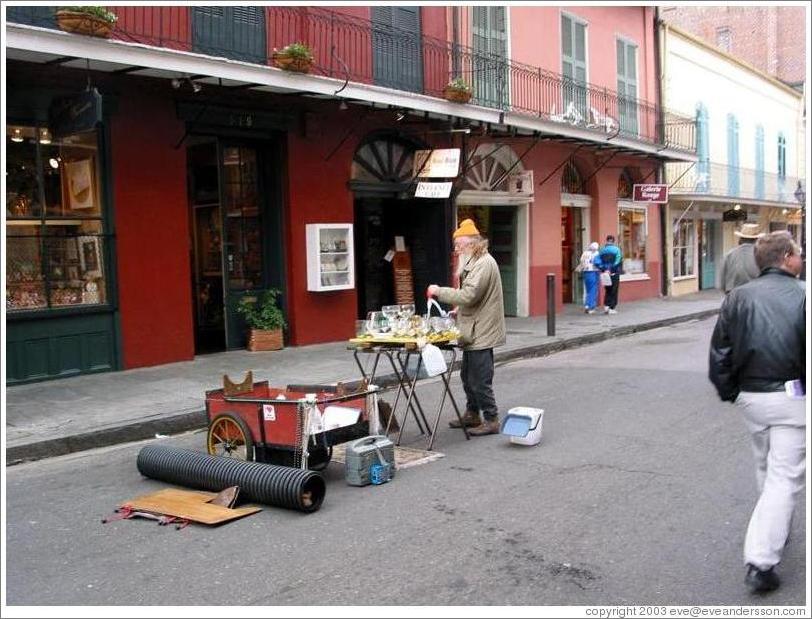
x,y
609,262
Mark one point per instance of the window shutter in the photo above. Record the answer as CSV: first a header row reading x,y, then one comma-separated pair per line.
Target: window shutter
x,y
760,162
732,156
702,148
566,47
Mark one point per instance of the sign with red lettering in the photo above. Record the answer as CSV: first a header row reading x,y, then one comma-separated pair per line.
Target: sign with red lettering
x,y
651,193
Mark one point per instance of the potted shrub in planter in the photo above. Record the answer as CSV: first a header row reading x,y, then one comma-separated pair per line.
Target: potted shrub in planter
x,y
296,57
265,319
94,21
457,90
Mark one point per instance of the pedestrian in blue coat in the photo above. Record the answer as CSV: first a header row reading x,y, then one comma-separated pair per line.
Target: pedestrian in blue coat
x,y
610,260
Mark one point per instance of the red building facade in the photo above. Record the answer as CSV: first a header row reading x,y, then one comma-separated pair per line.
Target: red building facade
x,y
214,169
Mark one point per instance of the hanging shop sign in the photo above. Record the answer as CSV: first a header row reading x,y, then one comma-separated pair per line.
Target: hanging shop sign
x,y
521,183
734,215
75,114
437,163
655,193
433,190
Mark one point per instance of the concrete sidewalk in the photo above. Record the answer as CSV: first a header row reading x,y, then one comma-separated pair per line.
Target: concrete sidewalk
x,y
62,416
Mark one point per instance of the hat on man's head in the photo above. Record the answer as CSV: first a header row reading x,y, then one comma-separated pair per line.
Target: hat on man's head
x,y
467,228
748,231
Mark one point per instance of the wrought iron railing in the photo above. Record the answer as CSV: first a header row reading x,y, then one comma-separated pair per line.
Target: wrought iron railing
x,y
364,51
723,181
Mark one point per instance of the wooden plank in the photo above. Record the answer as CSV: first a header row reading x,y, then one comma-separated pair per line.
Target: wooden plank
x,y
188,505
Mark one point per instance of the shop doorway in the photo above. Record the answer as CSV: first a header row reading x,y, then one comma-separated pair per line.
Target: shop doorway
x,y
422,224
498,224
710,243
236,237
572,246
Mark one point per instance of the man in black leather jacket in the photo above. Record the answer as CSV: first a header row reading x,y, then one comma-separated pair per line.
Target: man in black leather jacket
x,y
758,345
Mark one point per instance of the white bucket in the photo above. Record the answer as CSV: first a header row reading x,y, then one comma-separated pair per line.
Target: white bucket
x,y
523,425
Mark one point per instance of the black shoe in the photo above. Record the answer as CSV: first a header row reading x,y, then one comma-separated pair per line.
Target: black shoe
x,y
761,581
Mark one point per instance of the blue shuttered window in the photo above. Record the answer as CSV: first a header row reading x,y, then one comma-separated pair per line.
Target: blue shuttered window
x,y
782,165
490,70
702,149
396,47
627,86
732,156
760,162
573,66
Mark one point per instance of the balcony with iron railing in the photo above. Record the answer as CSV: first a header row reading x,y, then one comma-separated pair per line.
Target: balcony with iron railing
x,y
363,51
714,180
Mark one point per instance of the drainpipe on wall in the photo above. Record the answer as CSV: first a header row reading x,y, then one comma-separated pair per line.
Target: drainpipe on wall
x,y
658,83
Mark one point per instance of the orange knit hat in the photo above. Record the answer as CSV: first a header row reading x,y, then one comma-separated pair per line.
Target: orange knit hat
x,y
467,228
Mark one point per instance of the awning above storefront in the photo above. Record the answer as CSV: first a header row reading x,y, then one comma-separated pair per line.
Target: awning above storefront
x,y
47,46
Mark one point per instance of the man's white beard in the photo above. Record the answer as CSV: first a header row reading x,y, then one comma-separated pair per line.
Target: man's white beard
x,y
462,262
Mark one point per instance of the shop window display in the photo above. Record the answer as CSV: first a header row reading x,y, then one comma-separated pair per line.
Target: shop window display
x,y
632,232
684,248
54,228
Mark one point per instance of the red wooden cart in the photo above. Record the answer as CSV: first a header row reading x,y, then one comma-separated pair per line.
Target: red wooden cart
x,y
296,426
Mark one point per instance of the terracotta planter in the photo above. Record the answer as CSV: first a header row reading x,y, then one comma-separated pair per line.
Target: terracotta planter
x,y
82,23
457,95
265,340
290,63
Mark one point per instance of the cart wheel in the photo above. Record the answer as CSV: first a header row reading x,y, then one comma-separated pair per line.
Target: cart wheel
x,y
229,436
319,458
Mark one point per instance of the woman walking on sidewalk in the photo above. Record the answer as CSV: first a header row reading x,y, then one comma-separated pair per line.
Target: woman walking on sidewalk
x,y
589,272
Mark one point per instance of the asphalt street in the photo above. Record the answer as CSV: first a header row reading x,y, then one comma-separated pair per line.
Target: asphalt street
x,y
639,493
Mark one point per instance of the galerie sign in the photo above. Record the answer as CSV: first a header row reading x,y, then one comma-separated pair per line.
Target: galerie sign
x,y
651,193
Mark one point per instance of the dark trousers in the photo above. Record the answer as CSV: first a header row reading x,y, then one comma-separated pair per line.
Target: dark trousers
x,y
610,292
477,380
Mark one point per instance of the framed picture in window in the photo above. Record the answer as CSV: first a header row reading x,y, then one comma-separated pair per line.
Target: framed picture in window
x,y
79,184
90,256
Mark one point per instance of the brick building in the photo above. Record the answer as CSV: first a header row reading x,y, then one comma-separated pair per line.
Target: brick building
x,y
771,38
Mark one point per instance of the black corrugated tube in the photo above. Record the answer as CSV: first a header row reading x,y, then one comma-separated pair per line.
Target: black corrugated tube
x,y
269,484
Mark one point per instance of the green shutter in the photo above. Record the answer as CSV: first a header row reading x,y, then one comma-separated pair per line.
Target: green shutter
x,y
232,32
573,65
627,87
396,44
490,71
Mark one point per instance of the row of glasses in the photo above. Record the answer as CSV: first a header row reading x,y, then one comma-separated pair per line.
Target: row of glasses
x,y
391,318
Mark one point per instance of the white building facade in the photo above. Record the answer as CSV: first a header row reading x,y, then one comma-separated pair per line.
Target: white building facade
x,y
750,146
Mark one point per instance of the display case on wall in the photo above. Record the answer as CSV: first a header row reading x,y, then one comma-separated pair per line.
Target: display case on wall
x,y
330,257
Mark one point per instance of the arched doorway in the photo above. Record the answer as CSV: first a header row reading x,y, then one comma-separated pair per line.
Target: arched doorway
x,y
501,216
386,213
575,205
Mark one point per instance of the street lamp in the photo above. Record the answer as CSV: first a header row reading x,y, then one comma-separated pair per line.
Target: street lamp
x,y
800,196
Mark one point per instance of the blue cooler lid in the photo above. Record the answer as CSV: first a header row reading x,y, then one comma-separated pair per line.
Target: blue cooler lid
x,y
516,425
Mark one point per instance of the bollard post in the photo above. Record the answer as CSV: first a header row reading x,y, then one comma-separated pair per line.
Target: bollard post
x,y
550,303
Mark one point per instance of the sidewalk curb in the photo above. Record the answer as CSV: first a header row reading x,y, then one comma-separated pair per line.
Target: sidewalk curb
x,y
183,422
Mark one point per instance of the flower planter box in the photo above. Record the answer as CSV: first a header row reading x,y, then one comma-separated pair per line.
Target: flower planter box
x,y
83,23
457,95
291,63
265,340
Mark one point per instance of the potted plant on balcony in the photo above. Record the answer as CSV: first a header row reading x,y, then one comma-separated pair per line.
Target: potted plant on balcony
x,y
265,320
94,21
296,57
457,90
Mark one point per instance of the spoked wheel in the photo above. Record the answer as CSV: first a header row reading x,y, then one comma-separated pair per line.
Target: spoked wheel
x,y
229,436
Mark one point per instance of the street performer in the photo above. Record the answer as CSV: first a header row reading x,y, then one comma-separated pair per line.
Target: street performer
x,y
481,321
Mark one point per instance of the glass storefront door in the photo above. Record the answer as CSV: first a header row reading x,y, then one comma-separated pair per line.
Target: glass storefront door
x,y
242,239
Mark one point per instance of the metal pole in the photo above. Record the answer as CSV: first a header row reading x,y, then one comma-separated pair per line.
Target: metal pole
x,y
550,304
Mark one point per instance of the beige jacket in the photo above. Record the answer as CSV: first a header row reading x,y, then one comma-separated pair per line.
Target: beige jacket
x,y
481,315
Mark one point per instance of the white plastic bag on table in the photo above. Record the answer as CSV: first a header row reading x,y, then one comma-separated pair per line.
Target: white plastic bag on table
x,y
433,360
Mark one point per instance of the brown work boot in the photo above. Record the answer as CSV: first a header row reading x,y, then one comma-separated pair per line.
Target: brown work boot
x,y
489,426
470,419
